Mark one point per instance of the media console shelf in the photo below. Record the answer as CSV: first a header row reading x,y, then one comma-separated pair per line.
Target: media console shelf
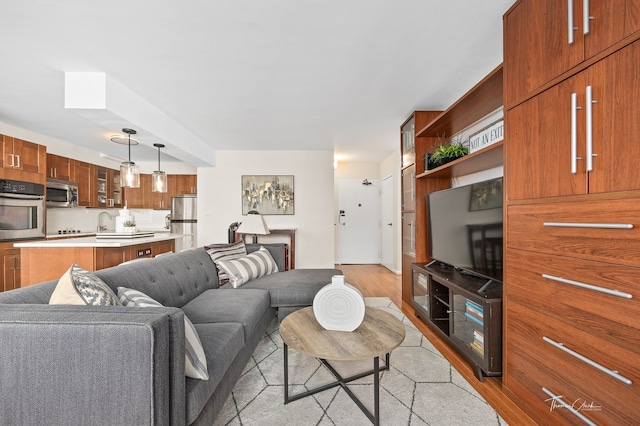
x,y
465,309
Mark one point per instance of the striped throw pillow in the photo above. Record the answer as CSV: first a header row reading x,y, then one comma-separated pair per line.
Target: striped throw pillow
x,y
195,361
246,268
225,252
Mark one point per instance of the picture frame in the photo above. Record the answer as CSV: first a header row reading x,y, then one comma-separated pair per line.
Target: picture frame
x,y
268,194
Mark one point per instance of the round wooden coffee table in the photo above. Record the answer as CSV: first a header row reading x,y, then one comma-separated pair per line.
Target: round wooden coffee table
x,y
379,334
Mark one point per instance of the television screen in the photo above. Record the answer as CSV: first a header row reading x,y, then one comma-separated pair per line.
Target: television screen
x,y
465,227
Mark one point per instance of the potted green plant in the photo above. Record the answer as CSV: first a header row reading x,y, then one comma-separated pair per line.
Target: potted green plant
x,y
447,152
129,226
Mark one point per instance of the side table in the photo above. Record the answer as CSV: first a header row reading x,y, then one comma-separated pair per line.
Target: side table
x,y
379,334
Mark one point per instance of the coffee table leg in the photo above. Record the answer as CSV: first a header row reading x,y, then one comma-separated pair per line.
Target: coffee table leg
x,y
376,391
286,373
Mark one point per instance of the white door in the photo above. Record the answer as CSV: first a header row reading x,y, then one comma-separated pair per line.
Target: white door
x,y
387,223
359,225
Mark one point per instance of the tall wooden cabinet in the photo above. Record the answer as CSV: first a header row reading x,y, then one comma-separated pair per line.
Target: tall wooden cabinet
x,y
572,242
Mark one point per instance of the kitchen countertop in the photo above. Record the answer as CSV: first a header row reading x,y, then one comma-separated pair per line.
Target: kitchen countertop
x,y
96,242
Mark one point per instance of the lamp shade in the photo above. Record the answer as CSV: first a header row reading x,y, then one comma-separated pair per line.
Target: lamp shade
x,y
129,175
253,224
159,182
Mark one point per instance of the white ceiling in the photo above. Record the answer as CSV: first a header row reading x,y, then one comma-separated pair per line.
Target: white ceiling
x,y
246,74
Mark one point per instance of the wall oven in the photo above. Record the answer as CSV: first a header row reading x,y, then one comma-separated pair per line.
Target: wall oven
x,y
21,210
61,193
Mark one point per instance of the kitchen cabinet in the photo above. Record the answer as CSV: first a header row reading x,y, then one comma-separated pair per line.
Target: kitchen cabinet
x,y
537,36
114,190
182,184
10,267
23,160
85,174
59,167
544,127
139,198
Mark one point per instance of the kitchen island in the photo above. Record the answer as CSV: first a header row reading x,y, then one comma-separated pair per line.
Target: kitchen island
x,y
48,260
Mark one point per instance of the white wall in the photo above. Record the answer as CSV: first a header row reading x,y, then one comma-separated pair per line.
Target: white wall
x,y
219,199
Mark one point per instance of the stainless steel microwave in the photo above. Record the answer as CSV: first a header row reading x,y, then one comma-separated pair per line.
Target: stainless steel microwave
x,y
21,210
61,193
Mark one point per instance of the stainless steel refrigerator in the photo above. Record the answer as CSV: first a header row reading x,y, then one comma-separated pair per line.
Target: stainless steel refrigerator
x,y
184,220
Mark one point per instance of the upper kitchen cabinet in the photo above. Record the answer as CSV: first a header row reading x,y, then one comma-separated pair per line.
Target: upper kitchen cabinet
x,y
85,175
22,160
139,198
577,136
545,38
114,190
59,167
182,184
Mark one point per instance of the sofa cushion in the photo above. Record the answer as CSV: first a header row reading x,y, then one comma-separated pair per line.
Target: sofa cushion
x,y
222,342
80,287
172,280
229,305
297,287
195,362
245,268
225,252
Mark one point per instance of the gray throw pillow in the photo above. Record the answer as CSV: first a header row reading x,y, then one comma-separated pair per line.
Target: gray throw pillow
x,y
78,286
225,252
243,269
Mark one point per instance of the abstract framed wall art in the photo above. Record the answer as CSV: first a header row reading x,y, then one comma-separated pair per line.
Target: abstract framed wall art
x,y
268,194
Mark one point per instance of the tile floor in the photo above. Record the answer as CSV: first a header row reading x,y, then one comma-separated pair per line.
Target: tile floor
x,y
421,388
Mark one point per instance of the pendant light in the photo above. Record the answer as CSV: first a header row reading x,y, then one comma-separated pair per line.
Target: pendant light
x,y
129,172
159,177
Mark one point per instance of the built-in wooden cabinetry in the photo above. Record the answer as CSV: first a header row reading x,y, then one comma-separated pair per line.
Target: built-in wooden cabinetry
x,y
572,316
22,160
143,197
10,258
59,167
410,162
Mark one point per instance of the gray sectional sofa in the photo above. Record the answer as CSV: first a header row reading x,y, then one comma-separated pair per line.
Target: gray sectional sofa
x,y
113,365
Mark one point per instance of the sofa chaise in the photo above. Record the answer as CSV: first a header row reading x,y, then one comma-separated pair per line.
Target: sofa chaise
x,y
122,365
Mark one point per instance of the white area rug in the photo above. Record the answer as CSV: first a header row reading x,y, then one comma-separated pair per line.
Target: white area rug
x,y
421,387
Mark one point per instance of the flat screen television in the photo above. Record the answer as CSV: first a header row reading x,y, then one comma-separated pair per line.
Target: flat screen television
x,y
465,228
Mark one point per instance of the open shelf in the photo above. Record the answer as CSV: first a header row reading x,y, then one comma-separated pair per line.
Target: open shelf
x,y
484,97
484,159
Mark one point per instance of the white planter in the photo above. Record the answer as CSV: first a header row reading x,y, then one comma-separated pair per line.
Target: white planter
x,y
129,229
339,306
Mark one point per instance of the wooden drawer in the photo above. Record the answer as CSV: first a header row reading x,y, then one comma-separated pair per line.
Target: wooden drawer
x,y
532,362
526,229
613,318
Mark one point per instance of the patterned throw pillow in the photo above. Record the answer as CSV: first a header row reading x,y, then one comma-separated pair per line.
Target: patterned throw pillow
x,y
225,252
195,361
80,287
243,269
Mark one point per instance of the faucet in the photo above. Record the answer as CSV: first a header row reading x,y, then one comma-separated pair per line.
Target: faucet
x,y
101,227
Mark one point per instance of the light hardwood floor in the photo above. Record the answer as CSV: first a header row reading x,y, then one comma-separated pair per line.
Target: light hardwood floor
x,y
378,281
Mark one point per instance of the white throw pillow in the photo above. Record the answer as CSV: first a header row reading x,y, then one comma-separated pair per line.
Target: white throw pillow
x,y
195,361
78,286
246,268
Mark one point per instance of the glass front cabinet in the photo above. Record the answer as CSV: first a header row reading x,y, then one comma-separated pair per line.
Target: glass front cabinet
x,y
464,309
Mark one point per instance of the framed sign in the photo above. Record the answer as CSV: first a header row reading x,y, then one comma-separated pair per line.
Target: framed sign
x,y
487,136
268,194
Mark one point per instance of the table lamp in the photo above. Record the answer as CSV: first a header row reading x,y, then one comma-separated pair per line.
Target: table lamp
x,y
253,224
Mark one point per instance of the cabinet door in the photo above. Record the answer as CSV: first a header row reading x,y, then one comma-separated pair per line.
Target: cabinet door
x,y
101,185
182,184
536,46
616,90
58,167
27,156
139,198
538,156
107,257
114,191
85,177
409,188
408,143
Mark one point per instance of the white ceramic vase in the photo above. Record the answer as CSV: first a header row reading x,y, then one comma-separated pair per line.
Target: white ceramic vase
x,y
339,306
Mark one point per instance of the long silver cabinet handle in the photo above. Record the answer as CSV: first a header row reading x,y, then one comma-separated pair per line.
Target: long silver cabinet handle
x,y
589,127
588,361
588,225
574,133
605,290
570,27
585,17
559,401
